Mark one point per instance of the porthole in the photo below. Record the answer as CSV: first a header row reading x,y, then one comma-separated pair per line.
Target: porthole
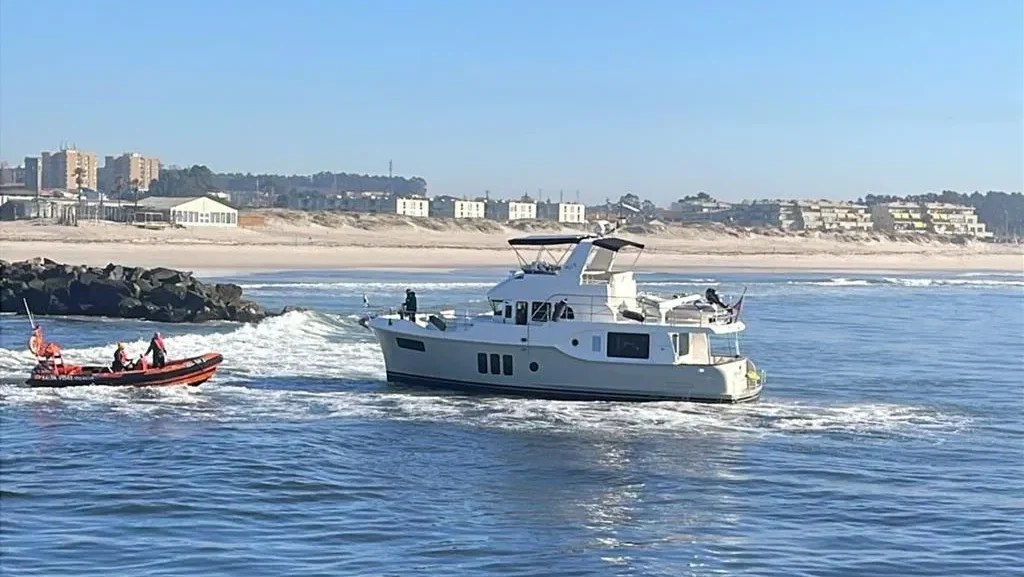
x,y
534,366
575,342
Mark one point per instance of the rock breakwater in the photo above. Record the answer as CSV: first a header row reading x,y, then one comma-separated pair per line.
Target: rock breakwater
x,y
157,294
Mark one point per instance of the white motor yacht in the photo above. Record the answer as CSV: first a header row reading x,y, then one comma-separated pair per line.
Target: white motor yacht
x,y
571,327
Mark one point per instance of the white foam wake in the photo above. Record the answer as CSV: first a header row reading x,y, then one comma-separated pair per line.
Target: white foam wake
x,y
228,403
298,344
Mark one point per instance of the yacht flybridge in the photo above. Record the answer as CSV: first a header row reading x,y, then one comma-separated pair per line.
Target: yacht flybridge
x,y
568,326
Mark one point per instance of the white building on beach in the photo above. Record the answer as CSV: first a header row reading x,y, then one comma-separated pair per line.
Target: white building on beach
x,y
186,211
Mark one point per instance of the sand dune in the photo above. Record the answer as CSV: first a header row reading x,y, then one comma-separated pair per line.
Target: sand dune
x,y
293,240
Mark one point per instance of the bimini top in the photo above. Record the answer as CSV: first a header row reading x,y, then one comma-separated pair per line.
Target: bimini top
x,y
548,240
616,244
611,243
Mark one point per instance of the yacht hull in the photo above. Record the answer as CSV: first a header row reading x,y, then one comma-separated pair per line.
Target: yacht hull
x,y
421,359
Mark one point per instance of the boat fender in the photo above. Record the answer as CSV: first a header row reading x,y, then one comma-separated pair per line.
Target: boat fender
x,y
438,322
559,310
633,315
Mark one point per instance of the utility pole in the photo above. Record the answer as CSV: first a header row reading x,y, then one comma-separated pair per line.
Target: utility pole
x,y
78,181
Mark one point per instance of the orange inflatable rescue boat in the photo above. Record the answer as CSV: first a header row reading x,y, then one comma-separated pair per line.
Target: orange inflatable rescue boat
x,y
52,371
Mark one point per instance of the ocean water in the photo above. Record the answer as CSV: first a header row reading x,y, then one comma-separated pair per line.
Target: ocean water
x,y
889,441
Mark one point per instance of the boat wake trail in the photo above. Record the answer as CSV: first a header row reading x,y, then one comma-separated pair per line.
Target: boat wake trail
x,y
234,403
308,366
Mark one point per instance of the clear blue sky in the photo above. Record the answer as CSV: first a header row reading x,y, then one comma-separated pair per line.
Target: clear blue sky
x,y
756,98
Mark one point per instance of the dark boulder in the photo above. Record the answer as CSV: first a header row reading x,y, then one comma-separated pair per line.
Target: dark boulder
x,y
114,271
228,292
170,315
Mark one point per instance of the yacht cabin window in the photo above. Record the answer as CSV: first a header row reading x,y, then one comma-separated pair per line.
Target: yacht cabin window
x,y
521,312
681,344
540,311
595,343
629,345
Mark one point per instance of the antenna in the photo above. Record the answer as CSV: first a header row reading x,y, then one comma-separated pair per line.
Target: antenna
x,y
560,193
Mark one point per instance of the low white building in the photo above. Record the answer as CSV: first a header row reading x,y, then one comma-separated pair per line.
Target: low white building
x,y
187,211
567,212
508,210
452,207
407,206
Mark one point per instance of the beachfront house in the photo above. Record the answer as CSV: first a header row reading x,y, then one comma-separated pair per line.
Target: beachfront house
x,y
192,211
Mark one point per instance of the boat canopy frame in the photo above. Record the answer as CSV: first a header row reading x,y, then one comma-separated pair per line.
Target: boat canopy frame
x,y
545,243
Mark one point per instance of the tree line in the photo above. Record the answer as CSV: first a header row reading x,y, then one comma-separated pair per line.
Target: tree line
x,y
199,180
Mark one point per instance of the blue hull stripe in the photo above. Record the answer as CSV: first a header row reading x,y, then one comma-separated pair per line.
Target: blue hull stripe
x,y
546,392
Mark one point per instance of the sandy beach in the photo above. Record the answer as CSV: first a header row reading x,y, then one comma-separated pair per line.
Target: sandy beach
x,y
361,243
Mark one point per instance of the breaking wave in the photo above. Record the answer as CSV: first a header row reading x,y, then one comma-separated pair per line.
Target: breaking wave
x,y
909,282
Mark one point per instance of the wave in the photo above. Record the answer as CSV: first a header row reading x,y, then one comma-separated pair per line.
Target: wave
x,y
995,274
908,282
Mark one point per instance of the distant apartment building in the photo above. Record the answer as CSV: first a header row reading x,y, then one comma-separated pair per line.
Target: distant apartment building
x,y
9,175
508,210
696,210
799,215
58,169
769,213
832,216
33,174
565,212
131,167
933,217
451,207
954,219
899,217
374,202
